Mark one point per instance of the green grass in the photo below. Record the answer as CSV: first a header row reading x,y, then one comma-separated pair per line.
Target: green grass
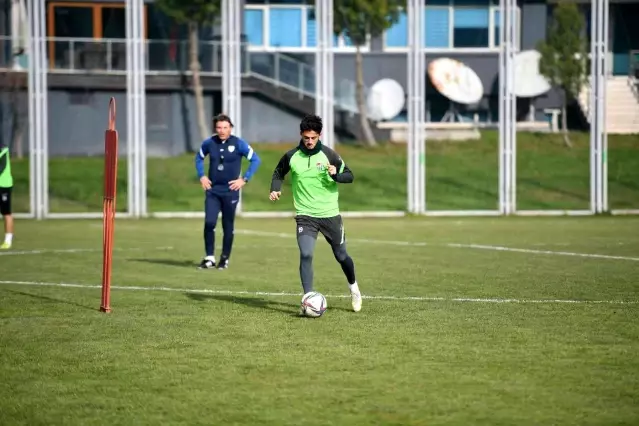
x,y
460,175
188,357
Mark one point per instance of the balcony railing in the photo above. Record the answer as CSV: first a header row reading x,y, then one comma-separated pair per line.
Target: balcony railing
x,y
171,57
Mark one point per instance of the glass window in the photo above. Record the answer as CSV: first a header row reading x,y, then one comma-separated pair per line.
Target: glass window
x,y
254,26
285,27
436,27
347,41
496,32
471,27
73,22
113,22
296,2
160,26
397,35
311,29
473,2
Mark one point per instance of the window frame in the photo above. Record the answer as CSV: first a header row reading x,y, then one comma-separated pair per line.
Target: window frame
x,y
341,46
98,31
493,45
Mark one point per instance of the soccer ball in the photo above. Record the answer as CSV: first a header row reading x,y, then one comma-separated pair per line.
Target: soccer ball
x,y
313,304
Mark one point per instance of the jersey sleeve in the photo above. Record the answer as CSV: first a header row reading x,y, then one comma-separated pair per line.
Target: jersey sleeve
x,y
280,172
200,156
254,160
344,173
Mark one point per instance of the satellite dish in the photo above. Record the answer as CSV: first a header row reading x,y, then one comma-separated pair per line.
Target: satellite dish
x,y
528,81
456,81
385,99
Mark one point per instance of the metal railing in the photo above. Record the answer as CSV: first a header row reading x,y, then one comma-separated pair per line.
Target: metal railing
x,y
171,57
285,71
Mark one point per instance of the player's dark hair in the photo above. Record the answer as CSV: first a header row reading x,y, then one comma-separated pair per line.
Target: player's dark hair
x,y
311,122
221,118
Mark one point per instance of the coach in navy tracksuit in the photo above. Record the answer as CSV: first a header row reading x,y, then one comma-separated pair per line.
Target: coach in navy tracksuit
x,y
222,185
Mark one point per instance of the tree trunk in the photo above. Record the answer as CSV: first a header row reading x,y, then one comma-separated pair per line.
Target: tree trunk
x,y
369,138
194,66
564,121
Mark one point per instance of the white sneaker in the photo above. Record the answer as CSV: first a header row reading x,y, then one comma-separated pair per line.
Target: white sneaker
x,y
356,301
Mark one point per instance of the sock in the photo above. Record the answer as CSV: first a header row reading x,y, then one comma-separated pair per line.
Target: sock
x,y
306,245
354,288
211,258
348,267
8,238
306,273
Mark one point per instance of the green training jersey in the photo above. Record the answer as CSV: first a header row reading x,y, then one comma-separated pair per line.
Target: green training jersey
x,y
6,180
315,191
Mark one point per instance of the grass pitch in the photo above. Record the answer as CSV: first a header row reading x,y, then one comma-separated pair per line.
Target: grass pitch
x,y
464,330
459,176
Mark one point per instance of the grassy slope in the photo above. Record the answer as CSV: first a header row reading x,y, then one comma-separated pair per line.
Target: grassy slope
x,y
460,175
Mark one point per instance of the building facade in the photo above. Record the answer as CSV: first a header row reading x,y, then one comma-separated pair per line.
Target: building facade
x,y
86,50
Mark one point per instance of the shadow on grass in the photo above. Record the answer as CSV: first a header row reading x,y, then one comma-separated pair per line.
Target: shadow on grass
x,y
169,262
254,302
51,299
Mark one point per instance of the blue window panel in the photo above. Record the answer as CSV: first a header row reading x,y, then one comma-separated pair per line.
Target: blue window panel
x,y
472,18
471,27
254,26
311,29
397,35
285,27
437,26
335,41
496,32
473,2
347,41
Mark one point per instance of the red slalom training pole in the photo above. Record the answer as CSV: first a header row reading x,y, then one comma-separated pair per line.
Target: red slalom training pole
x,y
108,205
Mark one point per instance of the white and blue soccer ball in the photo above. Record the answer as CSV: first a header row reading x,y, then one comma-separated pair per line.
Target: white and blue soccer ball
x,y
313,304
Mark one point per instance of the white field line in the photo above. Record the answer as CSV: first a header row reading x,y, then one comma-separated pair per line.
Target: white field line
x,y
454,245
75,250
336,296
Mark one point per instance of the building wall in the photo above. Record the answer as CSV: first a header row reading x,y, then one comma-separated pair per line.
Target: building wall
x,y
77,121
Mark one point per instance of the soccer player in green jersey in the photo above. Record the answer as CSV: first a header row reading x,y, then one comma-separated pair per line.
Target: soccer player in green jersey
x,y
316,170
6,185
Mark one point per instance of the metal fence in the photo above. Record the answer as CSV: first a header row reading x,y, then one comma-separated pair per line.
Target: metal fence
x,y
49,176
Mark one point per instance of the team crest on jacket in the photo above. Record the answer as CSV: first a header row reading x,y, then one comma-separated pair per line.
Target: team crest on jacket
x,y
231,148
321,167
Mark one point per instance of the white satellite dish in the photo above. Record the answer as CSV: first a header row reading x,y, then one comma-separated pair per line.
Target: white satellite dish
x,y
385,99
528,81
456,81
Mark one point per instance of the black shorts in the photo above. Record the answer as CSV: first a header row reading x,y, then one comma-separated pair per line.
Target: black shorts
x,y
331,227
5,201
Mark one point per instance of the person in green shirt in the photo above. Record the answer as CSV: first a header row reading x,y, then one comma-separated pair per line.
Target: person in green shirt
x,y
6,185
316,172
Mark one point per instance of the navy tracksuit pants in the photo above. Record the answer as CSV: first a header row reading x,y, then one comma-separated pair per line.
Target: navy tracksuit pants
x,y
214,204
